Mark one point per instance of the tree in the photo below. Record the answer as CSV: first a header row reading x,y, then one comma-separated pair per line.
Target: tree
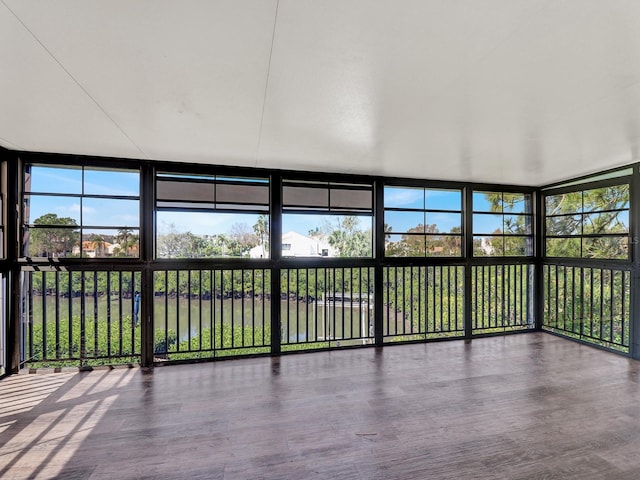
x,y
99,244
241,239
349,240
261,229
56,239
128,242
589,223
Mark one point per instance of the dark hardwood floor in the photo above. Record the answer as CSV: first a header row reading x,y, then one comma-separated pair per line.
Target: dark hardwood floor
x,y
516,407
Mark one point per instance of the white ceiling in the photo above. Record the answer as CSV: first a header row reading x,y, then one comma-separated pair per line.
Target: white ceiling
x,y
507,91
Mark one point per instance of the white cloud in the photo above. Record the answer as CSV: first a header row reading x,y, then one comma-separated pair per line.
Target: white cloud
x,y
402,196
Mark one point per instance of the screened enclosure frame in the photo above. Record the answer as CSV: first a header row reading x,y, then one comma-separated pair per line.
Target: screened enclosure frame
x,y
270,303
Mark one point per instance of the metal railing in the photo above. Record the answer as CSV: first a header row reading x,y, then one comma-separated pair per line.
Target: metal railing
x,y
423,302
326,307
502,298
84,317
95,317
591,304
211,313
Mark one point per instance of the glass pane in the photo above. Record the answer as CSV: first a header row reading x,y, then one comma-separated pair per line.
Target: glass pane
x,y
516,202
243,193
405,245
404,221
110,213
52,242
606,222
444,246
401,197
483,246
105,242
111,182
437,199
444,222
607,198
486,223
517,246
518,224
305,196
351,199
127,243
496,246
49,210
185,205
54,180
328,235
185,191
564,225
487,201
563,247
606,247
191,234
564,203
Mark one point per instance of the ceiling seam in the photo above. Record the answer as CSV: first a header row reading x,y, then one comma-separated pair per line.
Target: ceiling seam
x,y
65,70
10,144
266,85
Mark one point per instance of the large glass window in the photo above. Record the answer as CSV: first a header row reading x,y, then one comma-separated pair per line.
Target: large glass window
x,y
502,224
327,219
80,212
200,216
591,223
421,222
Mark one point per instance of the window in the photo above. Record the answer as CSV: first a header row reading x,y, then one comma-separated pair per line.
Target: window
x,y
422,222
502,224
80,212
199,216
591,223
327,219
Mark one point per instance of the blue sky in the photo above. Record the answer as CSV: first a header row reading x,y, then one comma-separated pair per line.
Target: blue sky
x,y
123,212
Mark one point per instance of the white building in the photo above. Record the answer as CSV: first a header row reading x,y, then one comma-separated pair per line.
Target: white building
x,y
295,244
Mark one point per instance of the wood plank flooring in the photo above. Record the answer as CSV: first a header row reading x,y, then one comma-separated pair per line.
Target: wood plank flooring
x,y
529,406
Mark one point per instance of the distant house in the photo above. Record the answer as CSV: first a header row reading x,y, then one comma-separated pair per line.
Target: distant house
x,y
295,244
486,247
94,249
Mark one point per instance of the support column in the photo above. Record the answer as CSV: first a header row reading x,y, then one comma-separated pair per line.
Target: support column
x,y
634,247
12,239
467,215
275,254
147,207
378,272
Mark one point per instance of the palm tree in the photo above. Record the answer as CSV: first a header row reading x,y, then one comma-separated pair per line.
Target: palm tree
x,y
98,244
124,238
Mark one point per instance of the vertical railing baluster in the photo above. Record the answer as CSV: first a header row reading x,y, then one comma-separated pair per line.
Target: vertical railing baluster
x,y
95,314
45,355
109,328
57,312
623,309
83,331
29,279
